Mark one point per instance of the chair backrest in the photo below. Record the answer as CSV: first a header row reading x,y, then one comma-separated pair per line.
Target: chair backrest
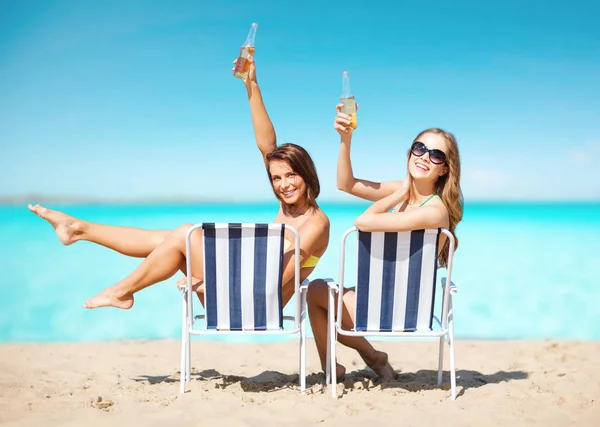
x,y
243,268
396,274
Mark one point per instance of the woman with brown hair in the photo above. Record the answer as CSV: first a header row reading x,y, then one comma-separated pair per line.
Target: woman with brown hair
x,y
429,197
294,181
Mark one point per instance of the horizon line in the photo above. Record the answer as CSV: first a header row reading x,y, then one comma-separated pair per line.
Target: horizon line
x,y
80,200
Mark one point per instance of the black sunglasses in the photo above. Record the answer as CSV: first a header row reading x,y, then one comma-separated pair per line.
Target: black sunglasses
x,y
436,156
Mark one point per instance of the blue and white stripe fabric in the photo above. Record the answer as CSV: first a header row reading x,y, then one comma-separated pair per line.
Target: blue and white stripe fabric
x,y
395,289
242,276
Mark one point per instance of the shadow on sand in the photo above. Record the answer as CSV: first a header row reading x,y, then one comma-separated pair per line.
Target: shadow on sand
x,y
363,379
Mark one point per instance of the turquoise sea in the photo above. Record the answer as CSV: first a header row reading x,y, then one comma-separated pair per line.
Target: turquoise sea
x,y
524,271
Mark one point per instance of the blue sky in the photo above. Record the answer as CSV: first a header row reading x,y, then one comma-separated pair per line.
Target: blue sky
x,y
135,99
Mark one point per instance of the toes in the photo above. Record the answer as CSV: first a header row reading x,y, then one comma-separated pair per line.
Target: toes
x,y
91,303
37,209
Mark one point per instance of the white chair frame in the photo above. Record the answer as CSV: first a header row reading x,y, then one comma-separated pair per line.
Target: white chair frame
x,y
187,321
446,322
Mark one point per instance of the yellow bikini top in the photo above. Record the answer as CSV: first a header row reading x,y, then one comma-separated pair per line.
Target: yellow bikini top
x,y
310,262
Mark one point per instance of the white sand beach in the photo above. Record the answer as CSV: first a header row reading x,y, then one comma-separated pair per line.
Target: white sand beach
x,y
513,383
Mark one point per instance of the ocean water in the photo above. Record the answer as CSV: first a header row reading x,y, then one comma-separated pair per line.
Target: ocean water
x,y
524,271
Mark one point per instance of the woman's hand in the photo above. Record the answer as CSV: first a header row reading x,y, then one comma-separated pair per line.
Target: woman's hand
x,y
251,71
342,122
403,193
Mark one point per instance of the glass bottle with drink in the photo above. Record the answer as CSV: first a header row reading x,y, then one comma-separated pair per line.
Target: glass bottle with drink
x,y
242,65
347,100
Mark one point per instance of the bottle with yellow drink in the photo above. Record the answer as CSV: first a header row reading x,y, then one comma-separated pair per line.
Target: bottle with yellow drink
x,y
242,65
347,100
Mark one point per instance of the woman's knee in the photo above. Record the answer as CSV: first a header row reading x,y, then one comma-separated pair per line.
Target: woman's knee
x,y
182,230
179,234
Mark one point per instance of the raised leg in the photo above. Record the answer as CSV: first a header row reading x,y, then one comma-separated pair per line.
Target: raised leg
x,y
318,295
162,263
134,242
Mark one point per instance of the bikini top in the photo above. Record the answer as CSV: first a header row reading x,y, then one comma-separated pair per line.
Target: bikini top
x,y
310,262
426,200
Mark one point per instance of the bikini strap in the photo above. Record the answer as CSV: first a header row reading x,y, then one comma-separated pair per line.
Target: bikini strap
x,y
428,199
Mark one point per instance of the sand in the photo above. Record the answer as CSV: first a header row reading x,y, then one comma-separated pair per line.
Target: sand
x,y
513,383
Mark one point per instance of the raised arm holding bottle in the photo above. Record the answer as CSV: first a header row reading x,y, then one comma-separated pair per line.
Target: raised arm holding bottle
x,y
428,197
295,183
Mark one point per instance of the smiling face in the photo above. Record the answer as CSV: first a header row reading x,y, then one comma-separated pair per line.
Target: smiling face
x,y
289,186
422,168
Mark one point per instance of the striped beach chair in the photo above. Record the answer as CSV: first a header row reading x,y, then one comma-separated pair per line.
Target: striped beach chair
x,y
243,269
395,292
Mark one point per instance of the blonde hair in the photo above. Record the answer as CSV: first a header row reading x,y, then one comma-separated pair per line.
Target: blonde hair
x,y
448,188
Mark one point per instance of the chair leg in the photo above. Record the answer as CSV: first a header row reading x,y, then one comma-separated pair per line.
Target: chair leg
x,y
303,342
184,338
441,351
328,360
188,370
331,339
451,345
441,361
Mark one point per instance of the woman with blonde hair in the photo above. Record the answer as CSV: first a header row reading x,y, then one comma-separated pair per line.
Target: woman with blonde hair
x,y
429,197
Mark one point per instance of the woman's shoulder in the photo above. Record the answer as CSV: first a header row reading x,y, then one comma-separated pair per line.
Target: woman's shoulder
x,y
316,219
320,217
438,203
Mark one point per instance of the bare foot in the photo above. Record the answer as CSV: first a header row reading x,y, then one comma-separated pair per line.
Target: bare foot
x,y
67,228
378,362
110,297
196,284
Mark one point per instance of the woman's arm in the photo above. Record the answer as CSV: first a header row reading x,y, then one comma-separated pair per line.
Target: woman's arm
x,y
346,181
388,202
377,217
264,132
311,239
414,219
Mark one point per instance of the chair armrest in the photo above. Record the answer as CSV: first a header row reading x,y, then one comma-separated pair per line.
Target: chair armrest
x,y
182,283
453,287
304,284
332,284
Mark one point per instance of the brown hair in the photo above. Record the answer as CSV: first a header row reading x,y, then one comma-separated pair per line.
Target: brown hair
x,y
448,188
301,163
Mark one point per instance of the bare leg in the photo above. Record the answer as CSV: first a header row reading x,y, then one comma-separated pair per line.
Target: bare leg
x,y
162,263
317,299
129,241
134,242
